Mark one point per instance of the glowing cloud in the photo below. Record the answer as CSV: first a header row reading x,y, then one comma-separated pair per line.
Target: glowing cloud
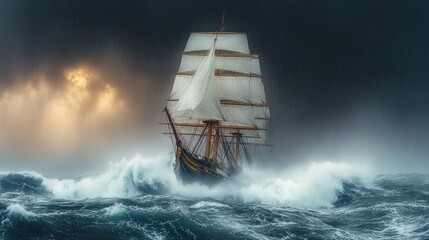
x,y
38,116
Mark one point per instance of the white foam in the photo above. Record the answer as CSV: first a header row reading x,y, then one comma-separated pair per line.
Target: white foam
x,y
312,186
315,186
120,180
205,204
406,227
116,210
18,210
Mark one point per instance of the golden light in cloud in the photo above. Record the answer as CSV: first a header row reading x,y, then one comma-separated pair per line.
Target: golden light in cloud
x,y
39,116
78,80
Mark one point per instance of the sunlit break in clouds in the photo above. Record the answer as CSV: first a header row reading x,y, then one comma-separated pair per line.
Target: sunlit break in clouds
x,y
39,116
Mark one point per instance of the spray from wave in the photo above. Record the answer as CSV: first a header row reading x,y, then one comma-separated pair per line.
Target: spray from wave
x,y
126,178
315,186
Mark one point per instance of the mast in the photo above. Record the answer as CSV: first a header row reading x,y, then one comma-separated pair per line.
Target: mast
x,y
210,123
209,139
216,145
222,26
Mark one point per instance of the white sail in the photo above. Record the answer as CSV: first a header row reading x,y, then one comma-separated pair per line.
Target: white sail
x,y
234,95
235,42
230,88
241,89
179,86
240,64
200,98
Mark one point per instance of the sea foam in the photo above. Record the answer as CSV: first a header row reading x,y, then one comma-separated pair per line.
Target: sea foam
x,y
18,210
126,178
316,185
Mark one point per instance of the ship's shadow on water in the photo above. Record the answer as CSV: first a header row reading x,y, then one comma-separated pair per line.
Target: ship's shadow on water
x,y
132,200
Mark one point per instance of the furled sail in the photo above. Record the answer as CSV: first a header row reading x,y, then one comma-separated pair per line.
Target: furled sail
x,y
220,81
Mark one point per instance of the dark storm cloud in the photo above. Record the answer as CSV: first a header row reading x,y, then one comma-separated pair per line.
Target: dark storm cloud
x,y
335,71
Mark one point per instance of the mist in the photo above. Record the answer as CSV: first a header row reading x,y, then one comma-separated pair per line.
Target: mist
x,y
83,84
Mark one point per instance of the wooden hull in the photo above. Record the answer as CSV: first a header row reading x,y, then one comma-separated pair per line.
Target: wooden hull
x,y
189,169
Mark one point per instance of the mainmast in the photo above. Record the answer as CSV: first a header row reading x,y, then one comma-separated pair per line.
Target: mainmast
x,y
212,124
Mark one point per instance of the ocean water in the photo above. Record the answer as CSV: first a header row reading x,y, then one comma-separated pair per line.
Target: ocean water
x,y
141,199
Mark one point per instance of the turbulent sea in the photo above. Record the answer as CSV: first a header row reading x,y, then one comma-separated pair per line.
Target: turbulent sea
x,y
141,199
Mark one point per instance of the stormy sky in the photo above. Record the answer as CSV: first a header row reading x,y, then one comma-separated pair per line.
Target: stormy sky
x,y
84,82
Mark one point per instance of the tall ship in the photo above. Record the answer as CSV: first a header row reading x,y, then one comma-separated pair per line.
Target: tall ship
x,y
217,110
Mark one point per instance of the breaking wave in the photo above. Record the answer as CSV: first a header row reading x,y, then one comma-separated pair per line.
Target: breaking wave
x,y
315,186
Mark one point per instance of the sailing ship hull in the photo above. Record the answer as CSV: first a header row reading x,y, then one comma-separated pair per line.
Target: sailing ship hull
x,y
190,169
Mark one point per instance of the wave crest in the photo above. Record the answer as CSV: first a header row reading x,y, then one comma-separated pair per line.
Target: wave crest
x,y
315,186
17,210
123,179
